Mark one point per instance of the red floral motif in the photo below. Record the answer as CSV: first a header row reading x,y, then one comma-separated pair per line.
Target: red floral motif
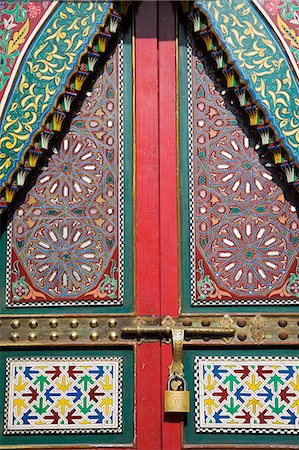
x,y
271,6
34,10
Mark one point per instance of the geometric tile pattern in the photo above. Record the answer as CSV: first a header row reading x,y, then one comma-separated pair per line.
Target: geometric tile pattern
x,y
244,235
242,394
65,246
64,395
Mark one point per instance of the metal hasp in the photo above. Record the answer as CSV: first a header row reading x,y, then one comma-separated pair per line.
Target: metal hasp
x,y
177,397
164,331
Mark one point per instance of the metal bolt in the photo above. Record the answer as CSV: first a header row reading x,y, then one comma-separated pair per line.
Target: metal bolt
x,y
241,322
113,336
74,323
112,323
53,323
205,322
242,336
282,323
94,336
31,336
33,323
93,323
283,335
15,324
187,322
14,337
54,336
73,335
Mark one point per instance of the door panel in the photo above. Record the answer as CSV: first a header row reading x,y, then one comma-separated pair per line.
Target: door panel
x,y
243,233
65,335
55,399
238,397
238,240
70,243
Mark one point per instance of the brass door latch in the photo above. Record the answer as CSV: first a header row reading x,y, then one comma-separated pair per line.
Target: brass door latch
x,y
177,397
142,331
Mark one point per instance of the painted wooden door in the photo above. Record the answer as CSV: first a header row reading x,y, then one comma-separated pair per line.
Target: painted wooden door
x,y
237,235
70,254
182,221
227,234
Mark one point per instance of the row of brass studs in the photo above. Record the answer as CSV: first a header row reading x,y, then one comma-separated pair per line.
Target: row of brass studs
x,y
74,323
54,336
241,323
84,329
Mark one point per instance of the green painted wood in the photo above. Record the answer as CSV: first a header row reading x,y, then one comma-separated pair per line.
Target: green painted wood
x,y
128,303
190,435
125,437
185,207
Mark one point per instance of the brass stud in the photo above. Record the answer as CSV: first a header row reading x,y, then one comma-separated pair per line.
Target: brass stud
x,y
187,322
113,336
298,323
33,323
0,323
14,337
241,322
74,323
53,323
94,323
94,336
242,336
283,335
15,324
206,338
112,323
31,337
205,322
54,336
73,335
282,323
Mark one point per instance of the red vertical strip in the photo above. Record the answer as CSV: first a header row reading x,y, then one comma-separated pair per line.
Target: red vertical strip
x,y
147,224
147,162
168,195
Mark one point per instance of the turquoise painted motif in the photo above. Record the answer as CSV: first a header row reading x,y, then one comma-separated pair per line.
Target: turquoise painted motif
x,y
285,15
45,71
261,62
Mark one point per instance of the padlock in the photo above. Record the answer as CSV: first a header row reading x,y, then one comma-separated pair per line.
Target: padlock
x,y
176,400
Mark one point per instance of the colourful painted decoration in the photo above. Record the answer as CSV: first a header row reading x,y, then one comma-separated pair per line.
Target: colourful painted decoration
x,y
263,66
44,72
20,19
239,394
75,395
245,234
63,247
285,15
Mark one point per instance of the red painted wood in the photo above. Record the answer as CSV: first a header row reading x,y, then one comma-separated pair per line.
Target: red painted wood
x,y
168,160
148,408
168,197
147,162
149,416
